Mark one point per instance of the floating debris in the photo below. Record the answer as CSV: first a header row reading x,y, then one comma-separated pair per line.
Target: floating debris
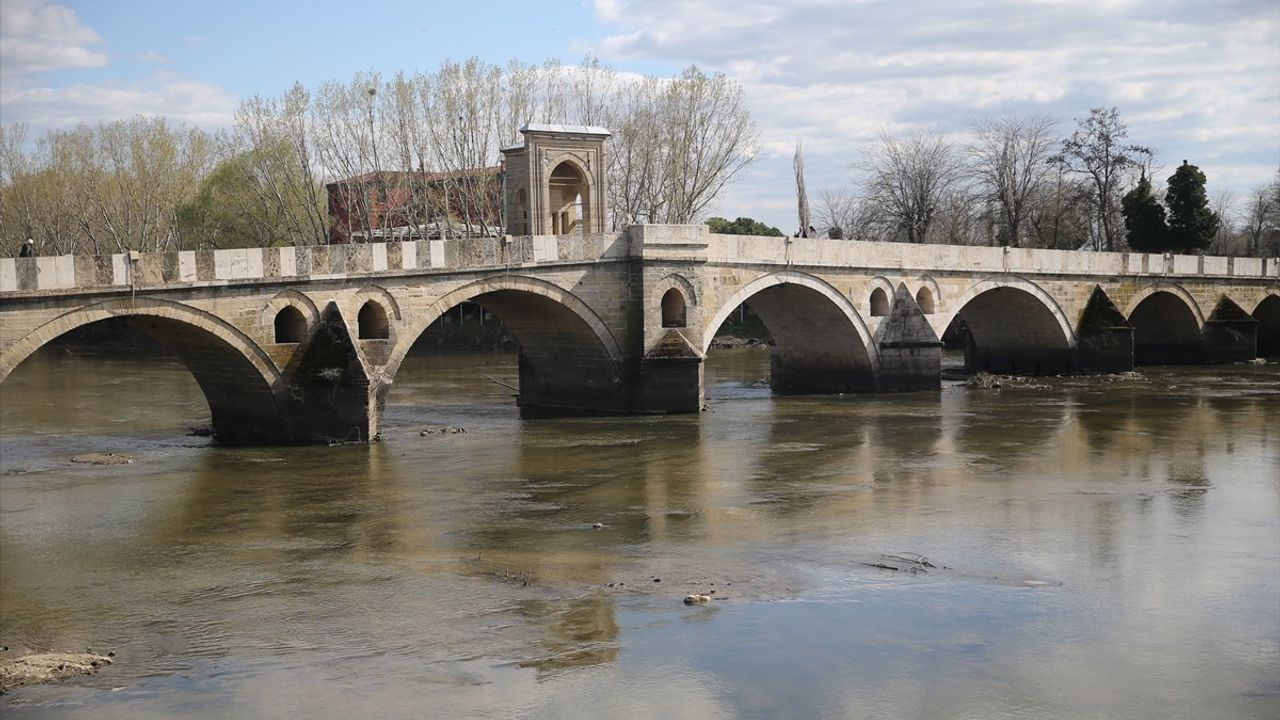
x,y
696,599
444,430
903,561
987,381
104,459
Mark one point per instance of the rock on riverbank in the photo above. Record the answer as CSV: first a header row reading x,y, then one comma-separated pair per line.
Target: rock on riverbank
x,y
39,668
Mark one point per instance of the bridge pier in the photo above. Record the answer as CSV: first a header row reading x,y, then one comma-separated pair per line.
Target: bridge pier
x,y
1230,334
790,375
327,395
1104,337
568,386
910,351
669,377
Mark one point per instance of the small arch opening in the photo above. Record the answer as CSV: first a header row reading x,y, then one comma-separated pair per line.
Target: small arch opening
x,y
291,326
924,298
567,193
673,309
879,302
373,323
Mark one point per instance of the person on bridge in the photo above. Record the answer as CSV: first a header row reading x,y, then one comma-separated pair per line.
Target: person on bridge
x,y
28,248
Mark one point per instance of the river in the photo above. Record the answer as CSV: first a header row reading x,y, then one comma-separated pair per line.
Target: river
x,y
1100,548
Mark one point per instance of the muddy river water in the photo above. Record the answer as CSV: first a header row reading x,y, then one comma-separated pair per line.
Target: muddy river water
x,y
1100,549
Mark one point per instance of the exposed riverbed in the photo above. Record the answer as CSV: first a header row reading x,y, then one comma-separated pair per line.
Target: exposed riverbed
x,y
1100,548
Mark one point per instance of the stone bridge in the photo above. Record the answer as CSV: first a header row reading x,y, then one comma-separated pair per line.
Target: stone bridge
x,y
303,344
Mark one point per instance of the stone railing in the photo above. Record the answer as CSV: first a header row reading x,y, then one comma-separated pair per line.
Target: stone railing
x,y
199,268
900,257
671,243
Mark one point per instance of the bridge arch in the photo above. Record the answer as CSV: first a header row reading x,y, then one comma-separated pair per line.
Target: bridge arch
x,y
569,358
382,296
1167,324
238,378
1171,289
1013,326
821,343
879,292
290,299
676,280
928,295
1267,313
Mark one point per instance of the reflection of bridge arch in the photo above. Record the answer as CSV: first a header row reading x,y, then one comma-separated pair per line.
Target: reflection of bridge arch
x,y
820,340
568,356
1013,326
237,377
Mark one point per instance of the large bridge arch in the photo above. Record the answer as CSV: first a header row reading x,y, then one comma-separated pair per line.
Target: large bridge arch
x,y
1267,313
821,343
1167,325
1013,325
238,378
569,358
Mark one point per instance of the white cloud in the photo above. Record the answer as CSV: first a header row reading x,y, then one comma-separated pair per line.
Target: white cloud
x,y
1195,80
180,100
37,36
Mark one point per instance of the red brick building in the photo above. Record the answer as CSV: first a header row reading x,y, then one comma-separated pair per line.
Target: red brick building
x,y
386,205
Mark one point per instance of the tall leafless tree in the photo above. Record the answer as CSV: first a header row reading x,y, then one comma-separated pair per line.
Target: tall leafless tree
x,y
1008,159
908,177
1097,151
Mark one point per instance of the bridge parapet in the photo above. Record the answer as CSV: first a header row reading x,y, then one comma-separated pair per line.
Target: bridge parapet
x,y
201,268
819,252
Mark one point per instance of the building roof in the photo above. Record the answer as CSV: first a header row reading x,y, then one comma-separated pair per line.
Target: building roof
x,y
564,129
395,176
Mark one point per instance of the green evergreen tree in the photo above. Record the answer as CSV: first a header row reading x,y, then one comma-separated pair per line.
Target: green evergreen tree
x,y
741,226
1144,222
1192,224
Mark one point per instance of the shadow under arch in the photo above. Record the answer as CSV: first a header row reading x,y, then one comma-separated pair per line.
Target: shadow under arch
x,y
821,344
569,360
1167,324
1013,325
1267,313
238,379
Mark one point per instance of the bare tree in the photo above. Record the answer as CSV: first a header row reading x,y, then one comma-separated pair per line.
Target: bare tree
x,y
1059,213
802,195
1260,218
1097,151
1224,237
101,188
265,190
709,137
909,175
1009,161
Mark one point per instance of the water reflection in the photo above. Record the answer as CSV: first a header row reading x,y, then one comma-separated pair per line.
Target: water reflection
x,y
576,633
467,568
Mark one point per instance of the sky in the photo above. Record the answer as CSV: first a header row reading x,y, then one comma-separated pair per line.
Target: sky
x,y
1193,79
